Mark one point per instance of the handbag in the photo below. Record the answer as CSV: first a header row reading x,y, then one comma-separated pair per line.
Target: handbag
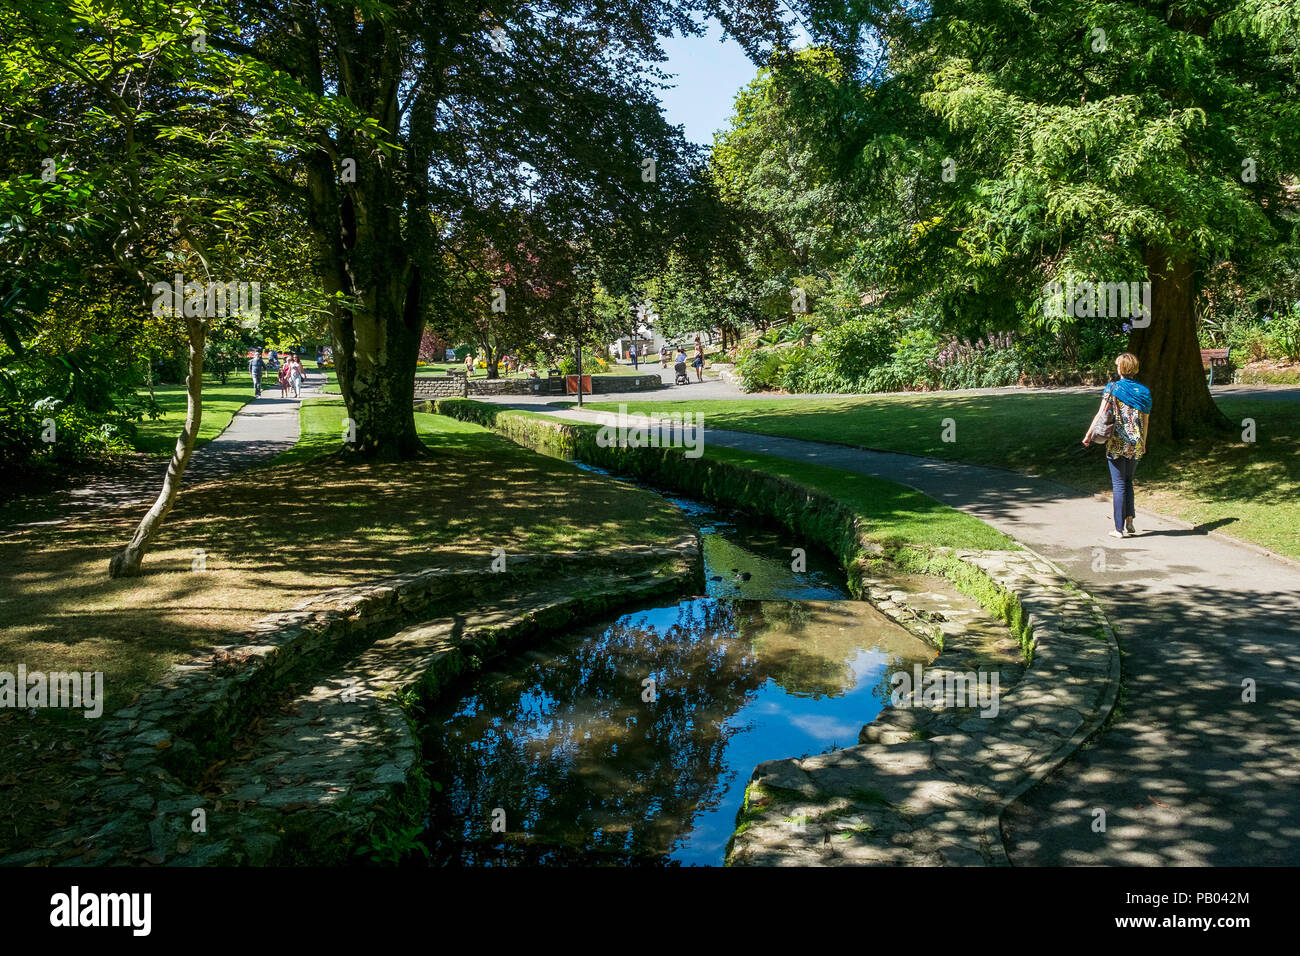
x,y
1103,423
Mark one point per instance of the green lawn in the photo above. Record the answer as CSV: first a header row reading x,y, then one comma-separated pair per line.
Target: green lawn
x,y
322,429
894,513
1248,490
220,403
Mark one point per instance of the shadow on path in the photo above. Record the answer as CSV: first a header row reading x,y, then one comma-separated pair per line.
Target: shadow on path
x,y
261,430
1189,773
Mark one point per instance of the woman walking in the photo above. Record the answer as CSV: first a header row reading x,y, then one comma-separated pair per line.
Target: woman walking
x,y
296,375
699,360
1121,423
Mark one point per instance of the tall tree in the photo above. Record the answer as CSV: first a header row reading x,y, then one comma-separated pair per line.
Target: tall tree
x,y
1007,145
384,119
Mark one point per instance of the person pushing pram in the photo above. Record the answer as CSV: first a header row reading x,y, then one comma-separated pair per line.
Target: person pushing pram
x,y
679,366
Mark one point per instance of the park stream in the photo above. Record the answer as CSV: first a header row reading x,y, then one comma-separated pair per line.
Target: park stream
x,y
630,742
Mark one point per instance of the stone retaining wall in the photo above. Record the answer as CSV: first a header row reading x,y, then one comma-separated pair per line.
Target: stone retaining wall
x,y
927,785
609,384
151,763
439,386
455,385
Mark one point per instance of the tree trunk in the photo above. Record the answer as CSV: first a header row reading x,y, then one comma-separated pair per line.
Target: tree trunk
x,y
376,330
126,563
377,378
366,264
1169,355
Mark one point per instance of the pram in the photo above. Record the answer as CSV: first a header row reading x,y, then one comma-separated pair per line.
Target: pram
x,y
682,378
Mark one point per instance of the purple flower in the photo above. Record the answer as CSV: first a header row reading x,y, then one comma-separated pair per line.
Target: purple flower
x,y
1126,327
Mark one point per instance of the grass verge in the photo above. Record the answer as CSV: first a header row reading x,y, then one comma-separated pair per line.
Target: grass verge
x,y
1248,489
220,404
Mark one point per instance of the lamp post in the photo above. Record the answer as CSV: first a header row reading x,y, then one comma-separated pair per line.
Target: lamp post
x,y
577,356
580,274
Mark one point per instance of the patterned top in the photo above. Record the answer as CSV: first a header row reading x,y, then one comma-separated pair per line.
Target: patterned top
x,y
1128,440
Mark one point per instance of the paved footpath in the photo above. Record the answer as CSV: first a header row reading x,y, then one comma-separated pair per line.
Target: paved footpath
x,y
715,388
259,431
1189,773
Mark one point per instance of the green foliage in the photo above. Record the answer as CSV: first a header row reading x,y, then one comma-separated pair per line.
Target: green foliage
x,y
392,844
1284,334
868,355
763,369
988,363
76,436
592,363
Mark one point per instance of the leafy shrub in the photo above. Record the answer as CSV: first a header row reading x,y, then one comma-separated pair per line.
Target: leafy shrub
x,y
50,432
847,353
592,364
840,361
908,367
982,364
796,372
1284,334
1242,332
759,369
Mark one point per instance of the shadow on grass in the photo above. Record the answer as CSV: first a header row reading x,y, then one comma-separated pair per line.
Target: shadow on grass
x,y
236,549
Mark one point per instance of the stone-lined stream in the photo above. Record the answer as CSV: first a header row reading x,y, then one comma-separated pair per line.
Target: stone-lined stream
x,y
632,741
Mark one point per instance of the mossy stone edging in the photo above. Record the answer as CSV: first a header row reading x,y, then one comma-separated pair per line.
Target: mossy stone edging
x,y
148,761
299,786
806,512
929,785
937,800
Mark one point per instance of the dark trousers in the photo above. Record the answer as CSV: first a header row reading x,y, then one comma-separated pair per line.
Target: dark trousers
x,y
1121,483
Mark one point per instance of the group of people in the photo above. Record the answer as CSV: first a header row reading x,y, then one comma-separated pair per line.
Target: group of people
x,y
290,373
679,362
506,363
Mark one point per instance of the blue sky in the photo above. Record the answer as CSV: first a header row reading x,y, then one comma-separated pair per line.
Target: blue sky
x,y
709,74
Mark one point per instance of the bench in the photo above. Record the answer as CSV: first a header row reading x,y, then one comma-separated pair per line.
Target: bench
x,y
1215,359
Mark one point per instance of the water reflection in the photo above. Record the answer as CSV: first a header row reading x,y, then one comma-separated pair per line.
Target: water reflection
x,y
587,770
770,662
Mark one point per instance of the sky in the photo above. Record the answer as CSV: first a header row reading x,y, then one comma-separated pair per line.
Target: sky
x,y
709,75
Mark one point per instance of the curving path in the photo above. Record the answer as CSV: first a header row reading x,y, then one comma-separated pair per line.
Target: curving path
x,y
259,431
1188,773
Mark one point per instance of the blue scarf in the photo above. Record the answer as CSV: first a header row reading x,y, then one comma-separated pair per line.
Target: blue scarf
x,y
1132,393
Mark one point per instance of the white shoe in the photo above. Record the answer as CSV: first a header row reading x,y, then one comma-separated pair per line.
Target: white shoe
x,y
1116,534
